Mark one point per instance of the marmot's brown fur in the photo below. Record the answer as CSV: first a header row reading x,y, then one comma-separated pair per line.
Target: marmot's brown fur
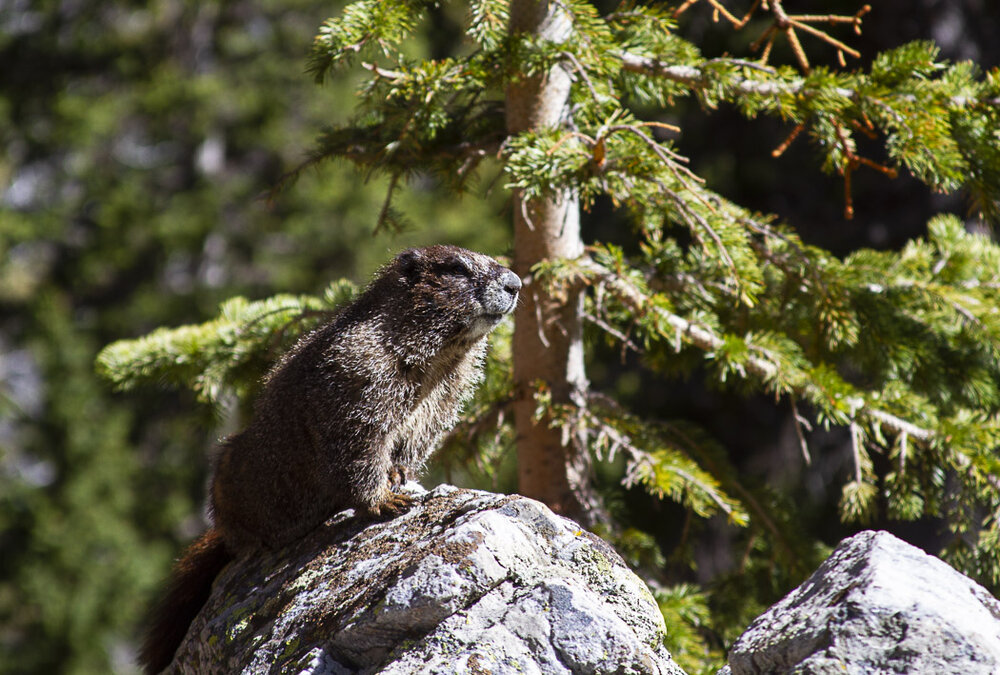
x,y
344,417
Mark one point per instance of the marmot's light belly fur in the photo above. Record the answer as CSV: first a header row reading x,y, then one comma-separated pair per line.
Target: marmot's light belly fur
x,y
342,419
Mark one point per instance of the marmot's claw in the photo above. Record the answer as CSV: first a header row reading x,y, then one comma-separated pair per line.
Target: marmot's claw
x,y
397,504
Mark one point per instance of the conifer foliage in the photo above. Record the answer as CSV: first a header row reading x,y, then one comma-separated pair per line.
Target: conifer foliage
x,y
900,348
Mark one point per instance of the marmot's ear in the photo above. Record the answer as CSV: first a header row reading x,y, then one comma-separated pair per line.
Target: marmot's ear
x,y
409,262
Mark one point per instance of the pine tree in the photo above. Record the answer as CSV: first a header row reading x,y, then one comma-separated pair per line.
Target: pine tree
x,y
900,348
137,142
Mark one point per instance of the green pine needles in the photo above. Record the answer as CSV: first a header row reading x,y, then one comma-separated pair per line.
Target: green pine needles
x,y
227,355
900,348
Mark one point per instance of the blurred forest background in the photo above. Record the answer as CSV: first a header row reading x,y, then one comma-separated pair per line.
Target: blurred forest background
x,y
140,142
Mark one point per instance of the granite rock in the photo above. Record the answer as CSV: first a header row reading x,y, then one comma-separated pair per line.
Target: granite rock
x,y
466,581
876,605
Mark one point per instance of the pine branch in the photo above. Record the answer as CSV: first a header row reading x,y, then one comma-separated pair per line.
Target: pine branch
x,y
696,77
937,118
225,354
654,461
457,158
707,340
699,77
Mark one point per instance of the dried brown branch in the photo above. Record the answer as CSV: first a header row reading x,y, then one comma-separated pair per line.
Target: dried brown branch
x,y
718,9
851,162
788,24
827,38
797,49
780,150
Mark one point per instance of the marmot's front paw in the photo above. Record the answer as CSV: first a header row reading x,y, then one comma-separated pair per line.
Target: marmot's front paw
x,y
392,504
397,476
397,504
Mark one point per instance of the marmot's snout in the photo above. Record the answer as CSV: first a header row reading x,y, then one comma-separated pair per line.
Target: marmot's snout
x,y
500,295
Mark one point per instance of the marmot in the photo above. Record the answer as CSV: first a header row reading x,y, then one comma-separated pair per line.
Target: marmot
x,y
343,418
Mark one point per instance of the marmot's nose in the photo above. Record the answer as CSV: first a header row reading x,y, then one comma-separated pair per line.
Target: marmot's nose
x,y
511,282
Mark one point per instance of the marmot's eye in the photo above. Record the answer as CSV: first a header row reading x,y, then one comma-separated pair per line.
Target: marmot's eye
x,y
457,268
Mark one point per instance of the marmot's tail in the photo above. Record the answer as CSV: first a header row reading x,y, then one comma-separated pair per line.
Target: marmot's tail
x,y
186,593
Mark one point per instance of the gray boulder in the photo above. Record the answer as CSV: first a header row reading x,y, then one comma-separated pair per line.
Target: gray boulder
x,y
466,582
876,605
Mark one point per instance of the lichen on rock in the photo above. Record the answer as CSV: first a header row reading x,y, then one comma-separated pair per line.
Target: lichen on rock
x,y
466,581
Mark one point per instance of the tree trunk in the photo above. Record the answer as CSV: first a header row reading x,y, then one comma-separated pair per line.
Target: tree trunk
x,y
548,332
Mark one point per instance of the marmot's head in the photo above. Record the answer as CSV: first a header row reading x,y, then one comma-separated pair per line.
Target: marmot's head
x,y
457,294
